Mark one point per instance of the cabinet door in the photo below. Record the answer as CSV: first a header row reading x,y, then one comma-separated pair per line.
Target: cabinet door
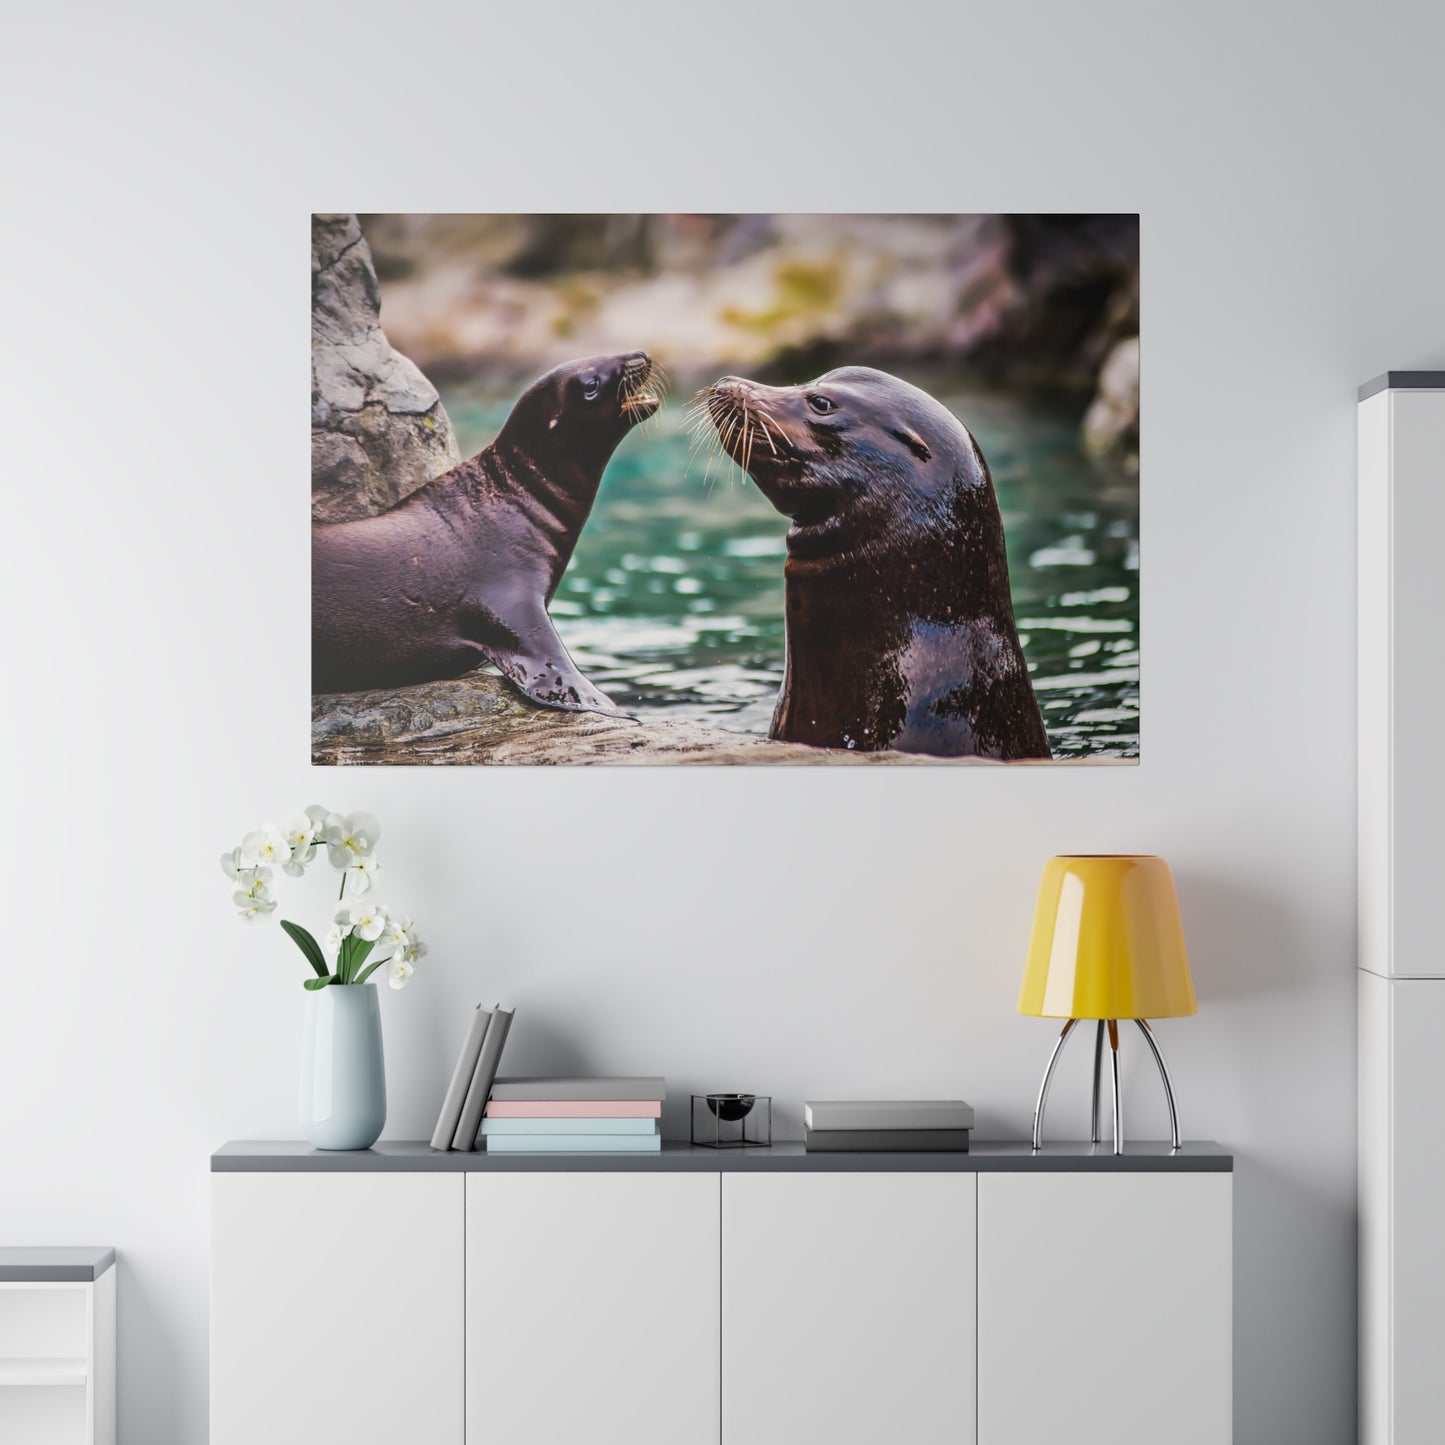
x,y
1416,1151
592,1309
848,1308
1104,1307
336,1309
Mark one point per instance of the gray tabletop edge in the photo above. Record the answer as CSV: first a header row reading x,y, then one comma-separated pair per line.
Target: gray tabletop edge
x,y
54,1264
985,1156
1403,381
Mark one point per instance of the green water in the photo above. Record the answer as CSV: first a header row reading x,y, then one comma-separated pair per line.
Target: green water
x,y
673,604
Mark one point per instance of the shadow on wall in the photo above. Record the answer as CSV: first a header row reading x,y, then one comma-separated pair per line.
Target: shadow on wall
x,y
1242,942
149,1377
1284,1226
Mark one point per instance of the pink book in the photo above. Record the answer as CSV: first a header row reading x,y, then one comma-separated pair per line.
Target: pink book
x,y
575,1109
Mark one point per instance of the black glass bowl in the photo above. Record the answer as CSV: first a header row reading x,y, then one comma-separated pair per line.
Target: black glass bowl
x,y
731,1107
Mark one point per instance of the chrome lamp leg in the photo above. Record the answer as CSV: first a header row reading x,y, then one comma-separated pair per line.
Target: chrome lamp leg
x,y
1118,1097
1094,1135
1164,1075
1044,1087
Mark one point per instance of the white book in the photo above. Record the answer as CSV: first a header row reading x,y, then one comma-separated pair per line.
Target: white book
x,y
491,1128
889,1114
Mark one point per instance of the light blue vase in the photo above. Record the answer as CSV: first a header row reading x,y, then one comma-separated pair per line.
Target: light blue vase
x,y
343,1078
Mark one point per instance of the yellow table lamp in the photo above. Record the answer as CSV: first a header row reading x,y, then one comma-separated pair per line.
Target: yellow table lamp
x,y
1107,945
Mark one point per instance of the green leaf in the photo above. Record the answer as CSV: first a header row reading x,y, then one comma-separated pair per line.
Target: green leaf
x,y
360,948
371,969
314,983
308,946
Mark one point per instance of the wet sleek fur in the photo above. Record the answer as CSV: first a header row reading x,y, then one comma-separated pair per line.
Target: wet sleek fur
x,y
900,626
461,571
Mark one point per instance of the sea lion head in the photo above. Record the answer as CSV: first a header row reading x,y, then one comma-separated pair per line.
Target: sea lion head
x,y
859,460
582,409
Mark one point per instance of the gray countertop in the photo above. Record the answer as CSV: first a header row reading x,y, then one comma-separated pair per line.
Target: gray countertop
x,y
48,1264
1404,381
284,1156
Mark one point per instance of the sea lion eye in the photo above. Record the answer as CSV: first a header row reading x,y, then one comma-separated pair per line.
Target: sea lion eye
x,y
820,404
590,387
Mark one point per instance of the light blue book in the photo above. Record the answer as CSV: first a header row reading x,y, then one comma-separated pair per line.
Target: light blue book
x,y
574,1144
494,1127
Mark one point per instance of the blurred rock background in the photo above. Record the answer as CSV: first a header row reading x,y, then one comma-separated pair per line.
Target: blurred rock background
x,y
1046,303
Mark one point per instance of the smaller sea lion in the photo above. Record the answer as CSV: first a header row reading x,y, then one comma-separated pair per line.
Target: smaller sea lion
x,y
899,621
461,572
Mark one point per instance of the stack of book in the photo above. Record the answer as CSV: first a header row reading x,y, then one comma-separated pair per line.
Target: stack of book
x,y
575,1116
914,1126
461,1114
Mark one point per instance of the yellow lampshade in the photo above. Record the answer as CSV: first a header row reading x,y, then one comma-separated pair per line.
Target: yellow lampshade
x,y
1107,942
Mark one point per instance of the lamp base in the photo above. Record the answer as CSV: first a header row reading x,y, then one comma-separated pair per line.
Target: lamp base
x,y
1095,1134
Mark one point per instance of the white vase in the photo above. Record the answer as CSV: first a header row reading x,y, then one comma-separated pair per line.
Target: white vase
x,y
343,1077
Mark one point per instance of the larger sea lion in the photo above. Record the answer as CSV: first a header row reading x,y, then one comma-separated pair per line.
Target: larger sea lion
x,y
461,571
900,626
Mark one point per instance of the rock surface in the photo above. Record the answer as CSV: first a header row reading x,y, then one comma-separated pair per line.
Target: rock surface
x,y
378,427
1112,422
479,719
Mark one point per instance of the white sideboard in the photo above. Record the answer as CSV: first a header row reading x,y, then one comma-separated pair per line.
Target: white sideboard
x,y
848,1307
592,1308
700,1297
1401,956
57,1346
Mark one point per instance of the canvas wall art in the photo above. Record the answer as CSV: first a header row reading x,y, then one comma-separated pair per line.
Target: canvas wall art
x,y
725,489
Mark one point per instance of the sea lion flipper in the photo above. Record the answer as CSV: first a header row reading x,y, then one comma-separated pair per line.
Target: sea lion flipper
x,y
541,667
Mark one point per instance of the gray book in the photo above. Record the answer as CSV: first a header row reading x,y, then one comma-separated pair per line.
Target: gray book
x,y
482,1077
516,1091
886,1141
889,1114
451,1113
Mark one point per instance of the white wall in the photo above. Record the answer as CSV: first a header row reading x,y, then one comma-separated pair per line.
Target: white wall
x,y
807,933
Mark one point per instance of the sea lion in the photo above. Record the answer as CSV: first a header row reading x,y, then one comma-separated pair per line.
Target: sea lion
x,y
899,623
461,571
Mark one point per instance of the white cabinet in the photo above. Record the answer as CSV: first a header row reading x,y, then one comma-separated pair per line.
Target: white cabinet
x,y
1402,1206
1104,1308
1401,678
697,1298
336,1308
1401,949
57,1358
848,1308
592,1309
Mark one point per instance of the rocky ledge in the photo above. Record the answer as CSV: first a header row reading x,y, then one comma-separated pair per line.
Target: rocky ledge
x,y
479,719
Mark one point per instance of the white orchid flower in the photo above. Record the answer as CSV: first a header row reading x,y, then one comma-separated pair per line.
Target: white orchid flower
x,y
397,972
368,921
267,845
255,883
363,875
342,919
333,940
299,831
233,868
319,817
413,950
398,933
295,866
255,907
350,838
